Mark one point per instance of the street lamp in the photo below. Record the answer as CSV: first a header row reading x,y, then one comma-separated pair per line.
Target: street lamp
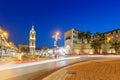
x,y
56,36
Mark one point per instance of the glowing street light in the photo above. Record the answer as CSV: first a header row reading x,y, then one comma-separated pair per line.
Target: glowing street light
x,y
56,36
57,33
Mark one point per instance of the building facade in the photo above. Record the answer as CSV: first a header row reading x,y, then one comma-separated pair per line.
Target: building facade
x,y
112,36
23,48
6,46
73,43
12,47
32,41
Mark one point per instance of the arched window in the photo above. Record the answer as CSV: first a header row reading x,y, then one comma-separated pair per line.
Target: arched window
x,y
32,35
32,43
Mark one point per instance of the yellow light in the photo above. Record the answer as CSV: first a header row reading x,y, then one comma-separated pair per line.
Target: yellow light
x,y
57,33
8,44
108,39
5,33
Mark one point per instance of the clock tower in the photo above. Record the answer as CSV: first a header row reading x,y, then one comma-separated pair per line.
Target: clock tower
x,y
32,41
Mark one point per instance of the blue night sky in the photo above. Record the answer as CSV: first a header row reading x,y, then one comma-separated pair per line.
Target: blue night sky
x,y
48,16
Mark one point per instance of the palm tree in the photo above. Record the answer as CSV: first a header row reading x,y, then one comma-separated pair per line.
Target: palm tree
x,y
102,38
116,46
97,36
97,42
96,45
81,36
88,36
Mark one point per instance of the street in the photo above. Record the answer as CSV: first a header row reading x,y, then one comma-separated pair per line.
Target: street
x,y
35,70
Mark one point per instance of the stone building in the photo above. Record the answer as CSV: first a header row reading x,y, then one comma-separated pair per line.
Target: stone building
x,y
112,36
73,43
6,46
23,48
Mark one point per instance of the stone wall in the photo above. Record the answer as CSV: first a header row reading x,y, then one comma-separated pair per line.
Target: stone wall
x,y
86,48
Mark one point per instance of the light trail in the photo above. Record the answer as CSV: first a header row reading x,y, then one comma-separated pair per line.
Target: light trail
x,y
33,63
53,60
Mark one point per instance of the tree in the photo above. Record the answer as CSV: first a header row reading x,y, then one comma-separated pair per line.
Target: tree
x,y
96,45
88,36
25,49
81,36
97,42
97,36
44,48
115,46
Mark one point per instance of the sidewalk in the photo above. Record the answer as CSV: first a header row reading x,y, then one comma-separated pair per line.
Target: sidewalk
x,y
91,70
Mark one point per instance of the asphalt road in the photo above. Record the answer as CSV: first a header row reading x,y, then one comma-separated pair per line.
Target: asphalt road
x,y
37,71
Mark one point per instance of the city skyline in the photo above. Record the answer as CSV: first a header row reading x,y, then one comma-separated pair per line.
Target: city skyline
x,y
51,16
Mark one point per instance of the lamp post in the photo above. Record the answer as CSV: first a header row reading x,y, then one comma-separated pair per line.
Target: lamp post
x,y
56,36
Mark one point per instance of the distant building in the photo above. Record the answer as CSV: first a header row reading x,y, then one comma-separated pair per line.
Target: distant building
x,y
23,48
112,36
12,47
32,41
3,38
6,46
